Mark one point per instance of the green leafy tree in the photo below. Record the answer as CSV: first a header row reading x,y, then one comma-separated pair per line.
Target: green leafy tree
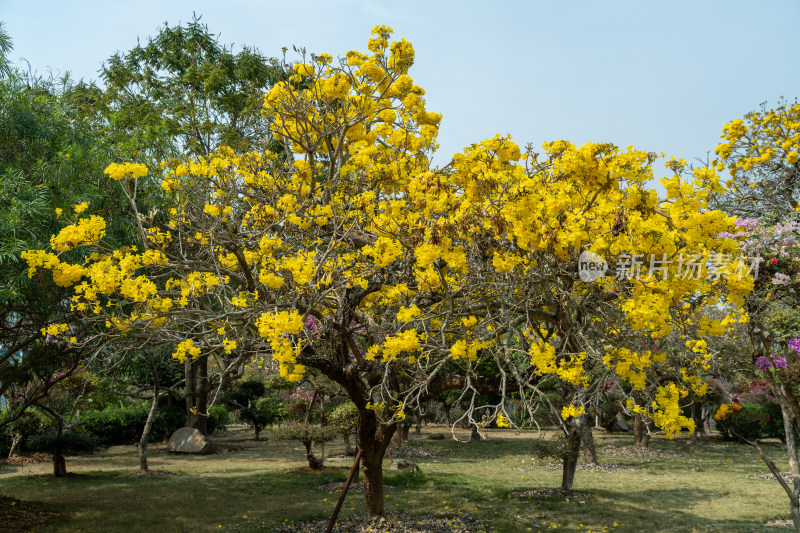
x,y
6,45
184,94
51,163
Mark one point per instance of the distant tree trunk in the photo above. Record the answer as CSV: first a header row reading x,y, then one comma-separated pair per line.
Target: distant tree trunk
x,y
59,463
641,437
418,428
573,448
447,418
322,424
313,461
348,447
707,418
401,435
196,373
697,416
791,445
16,441
589,451
257,428
475,434
148,425
169,427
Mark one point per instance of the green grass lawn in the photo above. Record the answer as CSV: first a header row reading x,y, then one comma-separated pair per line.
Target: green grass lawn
x,y
704,488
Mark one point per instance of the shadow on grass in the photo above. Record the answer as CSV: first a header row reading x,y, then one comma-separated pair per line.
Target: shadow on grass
x,y
248,490
665,510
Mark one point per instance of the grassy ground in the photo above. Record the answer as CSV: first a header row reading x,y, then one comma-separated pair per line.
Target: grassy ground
x,y
705,488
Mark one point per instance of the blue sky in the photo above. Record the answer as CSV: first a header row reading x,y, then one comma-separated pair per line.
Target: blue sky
x,y
662,76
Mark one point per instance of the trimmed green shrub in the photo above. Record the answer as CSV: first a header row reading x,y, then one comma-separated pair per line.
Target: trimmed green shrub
x,y
124,425
70,442
218,418
244,394
255,418
273,409
116,425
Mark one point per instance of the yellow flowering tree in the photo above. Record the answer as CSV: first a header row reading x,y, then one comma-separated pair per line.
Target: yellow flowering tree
x,y
589,334
347,252
761,152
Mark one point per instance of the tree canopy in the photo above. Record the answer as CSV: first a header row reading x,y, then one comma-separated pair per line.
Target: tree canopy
x,y
344,250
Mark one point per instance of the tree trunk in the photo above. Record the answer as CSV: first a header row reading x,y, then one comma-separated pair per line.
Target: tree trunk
x,y
169,427
148,425
314,463
348,447
372,441
475,435
59,463
447,418
697,416
372,464
322,424
418,428
257,429
196,373
707,419
791,445
573,448
16,442
401,435
641,437
792,491
589,451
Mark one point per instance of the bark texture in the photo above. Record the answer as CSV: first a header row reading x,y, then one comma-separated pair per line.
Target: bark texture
x,y
148,425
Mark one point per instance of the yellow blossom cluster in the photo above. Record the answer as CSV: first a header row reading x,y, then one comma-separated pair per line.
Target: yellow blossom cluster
x,y
277,328
408,341
632,365
86,232
55,329
570,411
502,421
184,349
727,409
121,171
666,410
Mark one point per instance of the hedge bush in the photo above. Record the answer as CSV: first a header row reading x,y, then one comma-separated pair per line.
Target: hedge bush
x,y
752,422
70,442
218,418
273,409
124,425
